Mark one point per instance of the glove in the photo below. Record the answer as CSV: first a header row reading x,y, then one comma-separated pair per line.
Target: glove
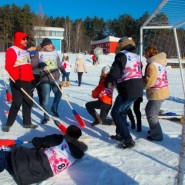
x,y
42,65
18,84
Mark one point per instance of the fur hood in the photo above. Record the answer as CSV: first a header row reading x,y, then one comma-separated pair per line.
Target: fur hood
x,y
159,58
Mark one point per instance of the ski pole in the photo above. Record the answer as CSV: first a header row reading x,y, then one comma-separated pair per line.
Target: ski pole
x,y
76,115
57,123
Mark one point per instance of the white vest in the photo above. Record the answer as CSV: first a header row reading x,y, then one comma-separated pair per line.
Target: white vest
x,y
59,157
23,56
67,66
107,92
161,77
132,68
50,58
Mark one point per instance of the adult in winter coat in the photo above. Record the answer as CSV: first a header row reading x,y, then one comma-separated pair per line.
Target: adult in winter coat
x,y
48,61
156,85
104,100
126,73
18,66
50,156
80,67
67,67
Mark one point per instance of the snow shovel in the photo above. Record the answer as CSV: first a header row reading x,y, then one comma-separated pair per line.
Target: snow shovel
x,y
12,142
61,126
76,115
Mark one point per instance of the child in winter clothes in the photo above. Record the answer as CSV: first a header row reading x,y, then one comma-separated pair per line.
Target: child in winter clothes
x,y
104,102
52,154
67,66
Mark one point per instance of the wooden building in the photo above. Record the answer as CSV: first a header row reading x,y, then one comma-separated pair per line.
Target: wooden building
x,y
108,44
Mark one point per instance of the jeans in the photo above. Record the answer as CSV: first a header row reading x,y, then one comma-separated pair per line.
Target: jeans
x,y
46,89
119,115
65,76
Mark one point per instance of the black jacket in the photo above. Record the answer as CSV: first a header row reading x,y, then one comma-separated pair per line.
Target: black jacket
x,y
32,165
129,89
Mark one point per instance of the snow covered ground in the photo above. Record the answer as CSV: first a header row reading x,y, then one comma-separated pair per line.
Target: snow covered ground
x,y
148,163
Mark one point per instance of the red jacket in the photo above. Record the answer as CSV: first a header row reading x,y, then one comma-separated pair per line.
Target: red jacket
x,y
94,57
18,72
102,93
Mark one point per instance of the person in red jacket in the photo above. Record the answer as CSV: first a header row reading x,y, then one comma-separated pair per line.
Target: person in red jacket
x,y
94,59
104,102
18,66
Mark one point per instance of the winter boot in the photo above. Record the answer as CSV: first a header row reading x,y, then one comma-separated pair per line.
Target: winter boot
x,y
108,122
63,83
117,137
125,145
97,119
67,83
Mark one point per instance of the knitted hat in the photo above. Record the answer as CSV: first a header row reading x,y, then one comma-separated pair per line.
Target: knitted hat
x,y
74,131
105,69
45,42
124,41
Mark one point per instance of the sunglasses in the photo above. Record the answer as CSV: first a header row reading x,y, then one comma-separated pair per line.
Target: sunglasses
x,y
26,38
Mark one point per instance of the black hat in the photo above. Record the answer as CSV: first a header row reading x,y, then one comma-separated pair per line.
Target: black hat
x,y
74,131
45,42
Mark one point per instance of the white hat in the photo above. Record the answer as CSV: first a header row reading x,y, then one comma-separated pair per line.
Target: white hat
x,y
106,69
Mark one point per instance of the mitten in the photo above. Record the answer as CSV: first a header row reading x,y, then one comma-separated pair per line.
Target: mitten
x,y
37,142
18,84
42,65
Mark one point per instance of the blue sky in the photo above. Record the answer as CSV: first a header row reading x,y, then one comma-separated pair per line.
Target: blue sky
x,y
107,9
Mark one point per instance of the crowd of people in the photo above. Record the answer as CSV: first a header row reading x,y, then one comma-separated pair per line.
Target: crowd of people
x,y
42,70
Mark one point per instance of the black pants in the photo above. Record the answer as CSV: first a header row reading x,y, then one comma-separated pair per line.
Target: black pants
x,y
136,108
104,108
19,98
80,78
37,85
5,162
